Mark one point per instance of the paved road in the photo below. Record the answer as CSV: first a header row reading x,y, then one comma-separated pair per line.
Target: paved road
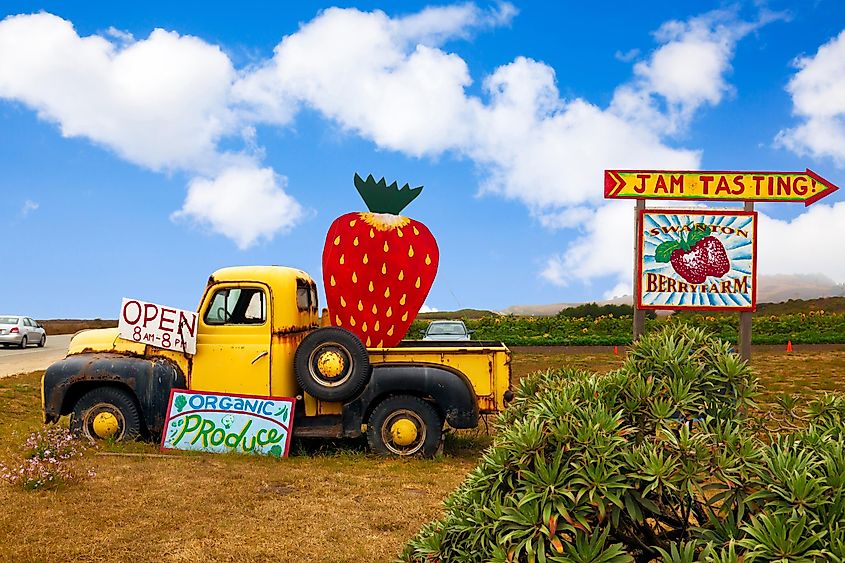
x,y
32,358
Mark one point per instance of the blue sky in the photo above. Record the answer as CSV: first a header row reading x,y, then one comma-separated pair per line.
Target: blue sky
x,y
135,162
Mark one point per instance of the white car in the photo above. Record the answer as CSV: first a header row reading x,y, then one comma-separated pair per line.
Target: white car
x,y
21,331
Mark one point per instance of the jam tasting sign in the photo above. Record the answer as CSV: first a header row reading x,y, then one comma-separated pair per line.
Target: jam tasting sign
x,y
159,326
697,259
226,423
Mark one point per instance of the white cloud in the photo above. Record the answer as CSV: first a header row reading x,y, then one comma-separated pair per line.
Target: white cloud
x,y
426,309
818,97
28,207
244,203
805,244
163,102
160,102
604,250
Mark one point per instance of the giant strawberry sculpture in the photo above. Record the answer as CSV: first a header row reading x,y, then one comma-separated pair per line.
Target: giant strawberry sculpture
x,y
378,265
696,256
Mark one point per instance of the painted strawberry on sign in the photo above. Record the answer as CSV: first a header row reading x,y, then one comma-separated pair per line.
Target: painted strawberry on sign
x,y
378,266
695,256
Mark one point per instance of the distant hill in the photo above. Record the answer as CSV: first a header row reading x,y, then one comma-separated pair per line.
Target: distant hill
x,y
771,289
827,304
459,314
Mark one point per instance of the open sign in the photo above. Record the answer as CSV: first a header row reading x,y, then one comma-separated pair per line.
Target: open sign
x,y
159,326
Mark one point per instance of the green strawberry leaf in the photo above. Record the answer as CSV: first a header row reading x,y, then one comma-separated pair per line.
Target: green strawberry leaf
x,y
664,251
698,234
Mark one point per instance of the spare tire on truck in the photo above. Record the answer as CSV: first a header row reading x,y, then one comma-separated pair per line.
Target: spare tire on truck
x,y
332,364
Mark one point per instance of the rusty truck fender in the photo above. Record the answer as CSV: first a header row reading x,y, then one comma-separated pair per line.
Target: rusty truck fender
x,y
149,380
449,390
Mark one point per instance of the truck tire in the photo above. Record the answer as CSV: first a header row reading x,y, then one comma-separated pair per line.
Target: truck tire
x,y
106,413
332,364
405,425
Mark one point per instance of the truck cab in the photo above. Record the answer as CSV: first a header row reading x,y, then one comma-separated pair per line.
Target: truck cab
x,y
258,333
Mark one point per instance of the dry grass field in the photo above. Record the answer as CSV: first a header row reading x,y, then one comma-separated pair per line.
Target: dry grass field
x,y
327,502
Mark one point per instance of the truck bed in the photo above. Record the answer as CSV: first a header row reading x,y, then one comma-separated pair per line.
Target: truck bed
x,y
485,364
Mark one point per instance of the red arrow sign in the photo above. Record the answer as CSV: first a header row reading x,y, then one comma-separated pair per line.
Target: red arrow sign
x,y
805,186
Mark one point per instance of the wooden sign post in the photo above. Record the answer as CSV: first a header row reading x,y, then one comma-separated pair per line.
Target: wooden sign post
x,y
703,259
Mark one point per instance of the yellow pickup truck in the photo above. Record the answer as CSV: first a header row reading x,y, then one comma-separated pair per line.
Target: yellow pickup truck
x,y
258,333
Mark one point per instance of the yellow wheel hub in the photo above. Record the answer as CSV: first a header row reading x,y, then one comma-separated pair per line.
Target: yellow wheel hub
x,y
330,364
105,425
403,432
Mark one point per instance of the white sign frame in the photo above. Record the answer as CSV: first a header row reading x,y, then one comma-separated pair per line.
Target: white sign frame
x,y
157,325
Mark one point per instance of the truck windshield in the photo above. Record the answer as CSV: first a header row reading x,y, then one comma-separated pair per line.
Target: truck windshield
x,y
237,305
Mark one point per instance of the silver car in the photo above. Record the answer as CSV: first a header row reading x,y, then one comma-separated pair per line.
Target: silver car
x,y
21,331
447,330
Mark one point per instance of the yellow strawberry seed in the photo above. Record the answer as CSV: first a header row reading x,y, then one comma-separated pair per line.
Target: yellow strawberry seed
x,y
337,320
354,277
427,260
405,316
342,301
390,332
366,258
337,240
364,326
360,305
417,283
352,222
355,242
371,288
368,342
383,269
387,292
401,275
389,312
375,311
411,251
372,234
399,233
416,232
375,328
331,281
351,320
342,258
386,248
402,300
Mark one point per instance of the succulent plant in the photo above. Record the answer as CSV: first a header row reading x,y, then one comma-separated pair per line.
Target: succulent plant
x,y
659,460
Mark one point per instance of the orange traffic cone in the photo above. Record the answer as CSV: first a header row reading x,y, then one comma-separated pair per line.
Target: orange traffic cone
x,y
616,350
789,345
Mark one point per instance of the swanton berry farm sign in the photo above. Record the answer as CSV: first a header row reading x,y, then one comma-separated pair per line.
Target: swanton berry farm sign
x,y
221,423
700,259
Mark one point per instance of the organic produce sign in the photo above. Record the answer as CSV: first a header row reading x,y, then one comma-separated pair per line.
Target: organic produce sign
x,y
807,186
159,326
221,423
378,266
697,259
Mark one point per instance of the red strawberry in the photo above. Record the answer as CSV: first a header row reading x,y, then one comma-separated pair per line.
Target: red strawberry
x,y
692,264
696,256
717,258
378,266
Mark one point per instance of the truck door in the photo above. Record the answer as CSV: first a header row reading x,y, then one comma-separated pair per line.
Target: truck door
x,y
233,340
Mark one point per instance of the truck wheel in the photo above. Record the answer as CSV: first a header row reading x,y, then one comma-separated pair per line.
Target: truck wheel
x,y
405,425
331,364
106,413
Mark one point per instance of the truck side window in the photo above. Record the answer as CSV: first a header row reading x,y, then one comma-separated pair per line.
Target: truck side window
x,y
237,306
303,295
314,304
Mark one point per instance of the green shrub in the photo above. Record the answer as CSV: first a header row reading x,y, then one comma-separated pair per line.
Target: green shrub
x,y
657,460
